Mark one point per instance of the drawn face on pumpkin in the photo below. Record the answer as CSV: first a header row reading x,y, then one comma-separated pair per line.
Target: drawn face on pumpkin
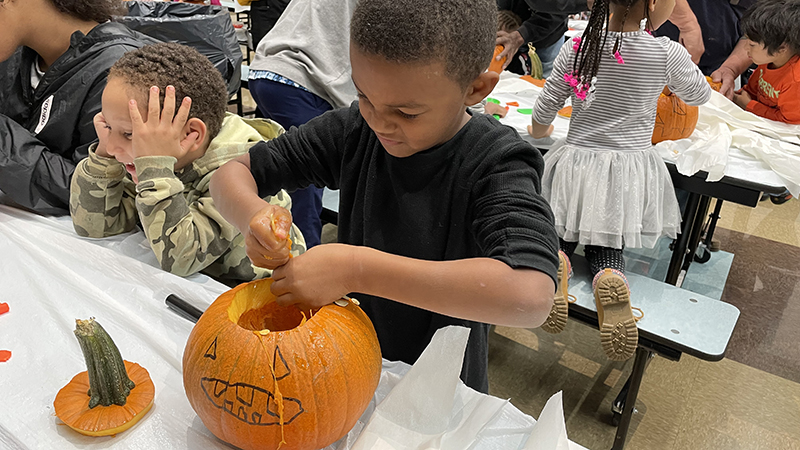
x,y
251,404
278,375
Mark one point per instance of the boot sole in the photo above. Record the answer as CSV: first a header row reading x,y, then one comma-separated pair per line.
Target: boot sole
x,y
557,319
619,335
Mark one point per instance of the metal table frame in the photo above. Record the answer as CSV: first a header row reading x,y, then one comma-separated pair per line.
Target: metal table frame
x,y
701,192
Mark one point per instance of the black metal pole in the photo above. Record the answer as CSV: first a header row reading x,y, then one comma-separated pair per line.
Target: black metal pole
x,y
679,250
639,364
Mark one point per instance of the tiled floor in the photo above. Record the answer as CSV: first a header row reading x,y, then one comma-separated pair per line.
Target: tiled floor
x,y
749,400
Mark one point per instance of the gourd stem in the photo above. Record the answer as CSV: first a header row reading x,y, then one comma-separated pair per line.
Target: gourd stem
x,y
108,380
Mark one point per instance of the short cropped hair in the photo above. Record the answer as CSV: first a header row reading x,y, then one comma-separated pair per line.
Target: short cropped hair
x,y
773,23
94,10
183,67
458,33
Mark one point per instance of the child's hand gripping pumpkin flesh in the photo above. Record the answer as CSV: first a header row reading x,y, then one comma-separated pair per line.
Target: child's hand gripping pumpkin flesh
x,y
267,239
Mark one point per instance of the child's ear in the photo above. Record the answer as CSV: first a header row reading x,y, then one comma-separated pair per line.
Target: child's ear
x,y
784,50
194,135
481,87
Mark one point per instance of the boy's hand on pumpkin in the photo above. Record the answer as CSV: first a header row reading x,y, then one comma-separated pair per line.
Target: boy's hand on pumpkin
x,y
162,133
266,237
316,278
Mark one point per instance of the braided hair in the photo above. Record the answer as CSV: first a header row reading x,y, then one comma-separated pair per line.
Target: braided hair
x,y
590,48
507,21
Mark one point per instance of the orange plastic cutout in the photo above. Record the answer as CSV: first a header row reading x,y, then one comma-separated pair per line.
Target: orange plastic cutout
x,y
5,355
512,103
3,308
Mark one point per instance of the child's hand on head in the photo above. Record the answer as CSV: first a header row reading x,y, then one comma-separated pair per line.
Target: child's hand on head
x,y
102,130
741,98
316,278
162,134
266,238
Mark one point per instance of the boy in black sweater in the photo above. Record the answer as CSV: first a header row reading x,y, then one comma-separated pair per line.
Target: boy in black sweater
x,y
440,217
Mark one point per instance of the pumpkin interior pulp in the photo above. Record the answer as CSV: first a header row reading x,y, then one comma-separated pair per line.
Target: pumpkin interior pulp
x,y
254,308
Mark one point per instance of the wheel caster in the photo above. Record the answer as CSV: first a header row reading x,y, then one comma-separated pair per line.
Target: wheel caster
x,y
702,255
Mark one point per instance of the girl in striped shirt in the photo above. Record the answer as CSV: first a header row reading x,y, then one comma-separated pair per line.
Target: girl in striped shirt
x,y
607,186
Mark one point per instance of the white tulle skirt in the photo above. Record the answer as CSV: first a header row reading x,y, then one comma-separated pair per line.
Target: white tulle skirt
x,y
610,197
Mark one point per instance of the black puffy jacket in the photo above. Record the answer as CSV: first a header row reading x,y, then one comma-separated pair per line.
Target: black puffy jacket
x,y
46,131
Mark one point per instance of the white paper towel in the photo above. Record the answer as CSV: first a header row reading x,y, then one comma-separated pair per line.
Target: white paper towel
x,y
431,408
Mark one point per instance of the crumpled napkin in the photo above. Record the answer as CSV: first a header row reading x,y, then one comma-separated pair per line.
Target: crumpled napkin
x,y
431,408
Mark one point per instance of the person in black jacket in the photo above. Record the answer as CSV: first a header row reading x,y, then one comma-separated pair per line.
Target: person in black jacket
x,y
544,26
54,58
263,16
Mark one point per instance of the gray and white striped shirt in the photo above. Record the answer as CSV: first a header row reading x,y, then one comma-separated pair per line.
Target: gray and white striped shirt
x,y
621,115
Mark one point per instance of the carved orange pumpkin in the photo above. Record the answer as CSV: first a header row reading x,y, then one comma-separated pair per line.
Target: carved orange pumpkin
x,y
262,376
674,119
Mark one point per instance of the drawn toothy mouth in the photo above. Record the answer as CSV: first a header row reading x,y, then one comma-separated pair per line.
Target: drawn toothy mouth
x,y
248,403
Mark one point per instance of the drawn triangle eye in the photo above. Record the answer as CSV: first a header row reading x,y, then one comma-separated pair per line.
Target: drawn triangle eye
x,y
211,352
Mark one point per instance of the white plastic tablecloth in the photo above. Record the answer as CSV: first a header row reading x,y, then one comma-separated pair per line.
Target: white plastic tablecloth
x,y
49,277
738,163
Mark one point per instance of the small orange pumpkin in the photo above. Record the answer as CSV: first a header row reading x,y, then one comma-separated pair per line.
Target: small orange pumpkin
x,y
263,376
674,119
714,85
497,66
106,399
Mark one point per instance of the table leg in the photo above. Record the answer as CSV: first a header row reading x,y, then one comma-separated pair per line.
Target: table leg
x,y
712,226
694,235
682,242
618,407
639,364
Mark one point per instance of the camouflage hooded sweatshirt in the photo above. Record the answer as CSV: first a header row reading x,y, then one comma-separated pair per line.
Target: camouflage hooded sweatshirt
x,y
175,209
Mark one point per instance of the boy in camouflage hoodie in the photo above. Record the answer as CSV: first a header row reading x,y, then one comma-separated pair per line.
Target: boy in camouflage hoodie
x,y
154,165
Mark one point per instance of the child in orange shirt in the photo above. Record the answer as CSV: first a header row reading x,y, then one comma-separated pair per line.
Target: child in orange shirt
x,y
773,92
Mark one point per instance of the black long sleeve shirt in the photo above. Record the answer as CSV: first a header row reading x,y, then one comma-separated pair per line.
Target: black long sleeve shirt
x,y
477,195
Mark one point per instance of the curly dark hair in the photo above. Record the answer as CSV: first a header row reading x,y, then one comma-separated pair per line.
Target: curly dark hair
x,y
191,73
460,34
95,10
587,59
773,23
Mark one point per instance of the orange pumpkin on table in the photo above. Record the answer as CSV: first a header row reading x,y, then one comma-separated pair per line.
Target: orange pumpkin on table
x,y
263,376
674,118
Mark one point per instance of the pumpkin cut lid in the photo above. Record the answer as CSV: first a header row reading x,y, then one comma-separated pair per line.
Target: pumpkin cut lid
x,y
111,395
